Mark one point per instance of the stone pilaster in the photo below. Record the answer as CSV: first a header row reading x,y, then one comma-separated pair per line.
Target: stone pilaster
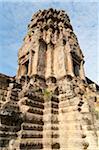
x,y
82,73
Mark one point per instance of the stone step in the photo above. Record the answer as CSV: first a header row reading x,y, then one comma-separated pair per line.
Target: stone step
x,y
35,111
32,115
34,104
30,126
34,97
28,144
31,134
55,99
34,119
8,128
8,134
55,146
54,111
54,128
14,106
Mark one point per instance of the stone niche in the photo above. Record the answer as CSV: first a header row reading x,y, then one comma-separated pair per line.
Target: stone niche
x,y
26,64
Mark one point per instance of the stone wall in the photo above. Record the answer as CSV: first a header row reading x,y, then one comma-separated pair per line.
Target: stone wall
x,y
4,83
49,114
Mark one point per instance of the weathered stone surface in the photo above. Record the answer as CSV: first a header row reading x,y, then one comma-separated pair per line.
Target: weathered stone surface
x,y
4,84
50,104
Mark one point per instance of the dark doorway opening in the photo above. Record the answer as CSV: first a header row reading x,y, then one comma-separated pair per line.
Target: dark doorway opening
x,y
26,66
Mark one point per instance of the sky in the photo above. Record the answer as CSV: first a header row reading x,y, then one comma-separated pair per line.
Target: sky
x,y
15,15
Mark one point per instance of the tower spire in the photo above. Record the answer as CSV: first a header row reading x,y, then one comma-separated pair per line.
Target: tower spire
x,y
50,47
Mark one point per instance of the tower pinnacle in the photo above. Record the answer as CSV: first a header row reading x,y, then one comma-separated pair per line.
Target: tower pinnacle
x,y
50,47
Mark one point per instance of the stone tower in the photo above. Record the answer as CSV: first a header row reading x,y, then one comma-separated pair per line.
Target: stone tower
x,y
50,48
49,104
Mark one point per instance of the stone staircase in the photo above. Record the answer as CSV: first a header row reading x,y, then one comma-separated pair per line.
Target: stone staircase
x,y
51,123
31,134
10,116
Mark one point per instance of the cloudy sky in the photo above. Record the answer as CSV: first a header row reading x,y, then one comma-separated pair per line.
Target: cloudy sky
x,y
16,14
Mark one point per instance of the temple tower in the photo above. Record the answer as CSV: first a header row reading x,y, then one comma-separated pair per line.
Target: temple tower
x,y
50,47
49,104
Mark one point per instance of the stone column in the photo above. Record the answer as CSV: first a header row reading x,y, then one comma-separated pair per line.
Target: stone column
x,y
36,49
23,70
41,68
31,53
48,35
44,34
49,59
69,60
82,73
18,71
35,58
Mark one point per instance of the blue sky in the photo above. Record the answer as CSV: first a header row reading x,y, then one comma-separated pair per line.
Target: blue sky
x,y
15,16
